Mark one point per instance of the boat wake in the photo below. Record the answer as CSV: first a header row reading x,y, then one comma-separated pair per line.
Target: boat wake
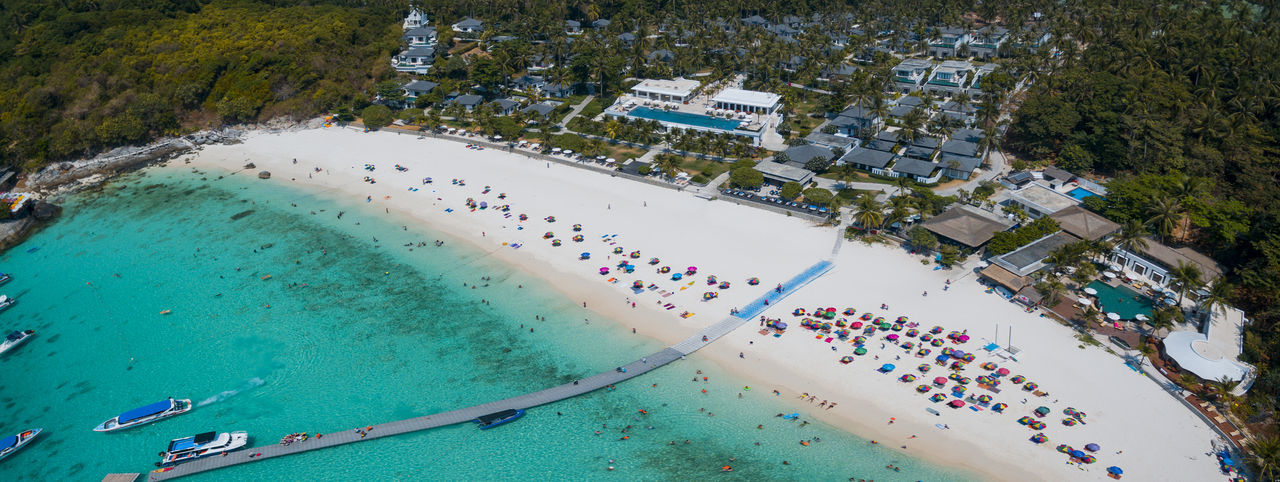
x,y
248,385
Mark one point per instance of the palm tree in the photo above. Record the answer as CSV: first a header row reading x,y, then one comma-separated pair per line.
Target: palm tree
x,y
1051,291
1162,319
1090,315
1219,293
667,165
1187,276
1222,387
1166,215
869,212
1265,452
903,184
1132,236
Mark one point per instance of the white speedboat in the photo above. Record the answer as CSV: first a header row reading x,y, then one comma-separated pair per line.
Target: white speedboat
x,y
4,278
12,443
6,302
145,415
201,445
14,339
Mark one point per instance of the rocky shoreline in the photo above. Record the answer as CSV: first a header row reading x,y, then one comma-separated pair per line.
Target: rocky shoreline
x,y
61,178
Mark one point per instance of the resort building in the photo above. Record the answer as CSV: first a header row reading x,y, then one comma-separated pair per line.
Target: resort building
x,y
801,155
1030,258
420,36
947,41
1154,263
539,111
1084,224
1040,200
739,100
920,170
505,106
909,74
781,173
975,86
857,119
417,60
675,90
867,159
418,88
831,141
467,101
967,226
950,77
986,42
572,27
415,19
469,26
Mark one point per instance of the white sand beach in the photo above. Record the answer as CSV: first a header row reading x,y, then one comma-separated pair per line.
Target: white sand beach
x,y
1139,427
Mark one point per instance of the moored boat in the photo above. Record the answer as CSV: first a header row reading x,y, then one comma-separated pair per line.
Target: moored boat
x,y
498,418
14,339
145,414
12,443
201,445
4,278
6,302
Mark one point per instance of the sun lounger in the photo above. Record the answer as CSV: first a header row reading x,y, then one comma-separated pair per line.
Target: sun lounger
x,y
672,307
1234,433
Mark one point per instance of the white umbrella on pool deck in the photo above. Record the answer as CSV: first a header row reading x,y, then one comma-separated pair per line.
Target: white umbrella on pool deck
x,y
1090,291
1113,316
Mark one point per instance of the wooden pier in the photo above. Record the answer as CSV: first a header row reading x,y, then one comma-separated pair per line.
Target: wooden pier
x,y
553,394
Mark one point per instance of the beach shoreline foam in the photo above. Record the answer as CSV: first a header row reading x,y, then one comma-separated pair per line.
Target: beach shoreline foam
x,y
735,243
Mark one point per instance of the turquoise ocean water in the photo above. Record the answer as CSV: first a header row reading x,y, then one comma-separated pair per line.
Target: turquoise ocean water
x,y
362,333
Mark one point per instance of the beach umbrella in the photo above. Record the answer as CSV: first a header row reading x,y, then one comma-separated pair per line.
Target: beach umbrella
x,y
1092,447
865,316
858,340
691,270
1029,386
943,358
1002,371
984,398
1070,422
938,397
753,281
926,337
1042,411
1018,379
585,256
555,242
957,403
884,325
1084,301
937,342
1025,420
1115,470
1141,317
989,366
654,261
1064,448
913,332
924,368
999,407
908,345
1090,291
617,250
924,352
1039,438
577,238
664,269
1113,316
935,330
891,337
857,325
850,312
637,284
939,381
887,367
1076,453
860,351
923,388
604,270
577,227
846,359
963,338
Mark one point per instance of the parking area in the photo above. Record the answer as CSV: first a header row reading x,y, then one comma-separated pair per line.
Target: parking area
x,y
772,199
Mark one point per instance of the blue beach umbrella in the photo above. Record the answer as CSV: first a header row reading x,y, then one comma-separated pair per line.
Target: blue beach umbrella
x,y
1115,470
943,357
887,367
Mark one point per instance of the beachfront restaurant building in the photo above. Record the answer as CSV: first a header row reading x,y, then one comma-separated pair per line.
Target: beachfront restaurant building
x,y
739,100
674,90
966,226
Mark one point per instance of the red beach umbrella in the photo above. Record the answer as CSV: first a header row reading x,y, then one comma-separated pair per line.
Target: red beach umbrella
x,y
940,381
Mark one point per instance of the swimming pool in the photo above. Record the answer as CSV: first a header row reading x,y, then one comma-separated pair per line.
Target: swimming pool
x,y
1081,193
1121,300
684,118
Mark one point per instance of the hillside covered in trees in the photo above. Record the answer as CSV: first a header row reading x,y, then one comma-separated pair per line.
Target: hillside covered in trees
x,y
1181,103
79,76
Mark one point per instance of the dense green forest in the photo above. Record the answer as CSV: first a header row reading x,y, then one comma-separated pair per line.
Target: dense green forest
x,y
79,76
1181,102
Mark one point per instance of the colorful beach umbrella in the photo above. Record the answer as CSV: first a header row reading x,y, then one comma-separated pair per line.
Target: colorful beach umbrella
x,y
857,325
913,332
753,281
1018,379
938,397
924,368
907,378
1039,438
923,388
999,407
939,381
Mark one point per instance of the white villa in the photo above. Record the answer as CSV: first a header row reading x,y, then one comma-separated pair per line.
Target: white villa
x,y
421,40
739,100
675,90
415,19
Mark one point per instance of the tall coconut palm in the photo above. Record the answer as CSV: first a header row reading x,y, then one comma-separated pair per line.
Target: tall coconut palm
x,y
1187,277
1051,291
1219,293
1166,214
1265,455
869,212
1132,236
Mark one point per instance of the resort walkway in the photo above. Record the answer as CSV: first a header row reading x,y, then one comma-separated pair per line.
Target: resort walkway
x,y
550,395
576,109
